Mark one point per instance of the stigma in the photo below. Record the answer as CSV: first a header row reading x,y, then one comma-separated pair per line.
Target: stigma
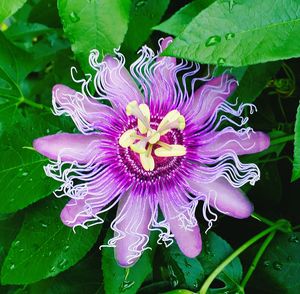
x,y
146,141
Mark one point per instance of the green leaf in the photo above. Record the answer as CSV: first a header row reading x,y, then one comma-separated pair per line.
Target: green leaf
x,y
296,161
8,8
178,22
143,16
215,250
8,230
188,271
44,246
96,24
116,280
247,32
21,168
278,270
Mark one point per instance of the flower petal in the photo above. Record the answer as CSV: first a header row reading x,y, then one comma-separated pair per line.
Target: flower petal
x,y
85,112
208,97
69,147
118,85
162,83
179,214
224,197
131,228
239,143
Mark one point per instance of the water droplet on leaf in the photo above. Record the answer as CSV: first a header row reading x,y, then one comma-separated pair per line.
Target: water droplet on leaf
x,y
229,36
213,40
126,285
140,4
66,248
277,266
293,239
221,61
62,264
43,225
267,263
74,17
52,269
12,266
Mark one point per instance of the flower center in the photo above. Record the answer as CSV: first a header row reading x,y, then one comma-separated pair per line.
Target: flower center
x,y
145,140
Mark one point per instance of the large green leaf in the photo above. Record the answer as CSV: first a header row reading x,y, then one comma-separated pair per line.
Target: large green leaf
x,y
44,246
116,280
95,24
249,32
178,22
296,162
144,15
188,271
279,269
8,8
215,250
21,168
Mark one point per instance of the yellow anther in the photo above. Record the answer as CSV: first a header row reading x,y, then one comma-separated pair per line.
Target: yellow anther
x,y
174,150
127,138
169,118
139,147
132,108
154,137
146,112
181,122
147,160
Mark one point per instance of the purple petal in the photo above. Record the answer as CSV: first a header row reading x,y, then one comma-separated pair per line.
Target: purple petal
x,y
131,228
225,198
240,143
162,83
117,83
69,147
78,106
76,212
175,211
207,98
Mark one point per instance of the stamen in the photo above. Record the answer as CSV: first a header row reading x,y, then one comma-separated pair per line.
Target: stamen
x,y
147,160
174,150
128,138
172,120
134,109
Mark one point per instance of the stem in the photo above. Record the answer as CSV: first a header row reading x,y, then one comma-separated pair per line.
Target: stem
x,y
231,257
270,223
282,139
257,258
31,103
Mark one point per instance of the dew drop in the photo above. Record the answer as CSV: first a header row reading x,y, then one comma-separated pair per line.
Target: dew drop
x,y
12,266
21,250
16,243
74,17
221,61
140,4
11,200
293,239
126,285
277,266
66,248
229,36
267,263
49,253
213,40
48,131
43,225
62,264
52,269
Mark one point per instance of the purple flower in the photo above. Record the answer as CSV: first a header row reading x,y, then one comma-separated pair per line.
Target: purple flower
x,y
160,148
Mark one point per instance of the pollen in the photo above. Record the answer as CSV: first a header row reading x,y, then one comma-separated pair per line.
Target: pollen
x,y
146,141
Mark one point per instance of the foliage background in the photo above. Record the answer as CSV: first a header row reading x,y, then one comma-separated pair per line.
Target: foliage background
x,y
40,40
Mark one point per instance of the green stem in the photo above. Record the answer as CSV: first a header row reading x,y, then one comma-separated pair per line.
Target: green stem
x,y
257,259
231,257
282,139
270,223
31,103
